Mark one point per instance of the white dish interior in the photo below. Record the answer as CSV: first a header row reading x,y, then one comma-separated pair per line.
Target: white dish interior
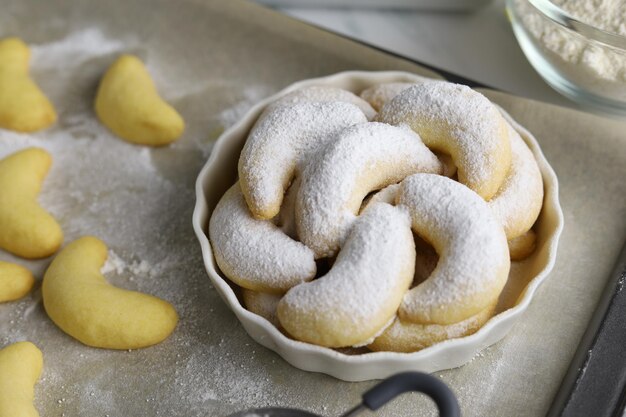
x,y
220,172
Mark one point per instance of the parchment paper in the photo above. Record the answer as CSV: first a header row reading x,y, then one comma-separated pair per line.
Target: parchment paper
x,y
212,60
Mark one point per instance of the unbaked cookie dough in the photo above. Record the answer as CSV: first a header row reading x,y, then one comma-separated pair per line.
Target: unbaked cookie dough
x,y
128,104
20,368
15,282
23,106
84,305
26,229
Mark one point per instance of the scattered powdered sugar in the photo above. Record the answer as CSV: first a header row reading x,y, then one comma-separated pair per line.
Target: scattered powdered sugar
x,y
474,258
246,387
457,120
142,268
76,48
251,95
115,264
362,158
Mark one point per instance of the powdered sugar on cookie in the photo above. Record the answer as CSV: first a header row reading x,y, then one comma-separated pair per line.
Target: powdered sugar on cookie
x,y
279,141
473,256
363,158
455,119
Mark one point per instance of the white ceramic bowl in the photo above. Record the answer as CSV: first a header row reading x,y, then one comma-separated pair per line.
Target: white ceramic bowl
x,y
220,172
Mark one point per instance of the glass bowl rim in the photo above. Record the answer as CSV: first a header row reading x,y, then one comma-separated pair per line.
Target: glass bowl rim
x,y
563,18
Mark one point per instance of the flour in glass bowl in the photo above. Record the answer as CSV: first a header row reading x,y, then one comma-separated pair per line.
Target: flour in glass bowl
x,y
599,68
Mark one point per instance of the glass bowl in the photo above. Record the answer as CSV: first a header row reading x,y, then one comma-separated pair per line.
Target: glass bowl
x,y
582,62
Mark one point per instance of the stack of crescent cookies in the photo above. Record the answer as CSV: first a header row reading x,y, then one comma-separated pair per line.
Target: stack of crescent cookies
x,y
387,220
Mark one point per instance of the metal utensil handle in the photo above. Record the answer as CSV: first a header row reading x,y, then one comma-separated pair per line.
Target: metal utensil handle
x,y
398,384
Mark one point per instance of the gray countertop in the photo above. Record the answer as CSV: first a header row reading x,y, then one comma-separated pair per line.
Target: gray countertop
x,y
479,46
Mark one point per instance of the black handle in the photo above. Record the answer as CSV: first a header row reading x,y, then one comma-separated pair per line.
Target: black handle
x,y
398,384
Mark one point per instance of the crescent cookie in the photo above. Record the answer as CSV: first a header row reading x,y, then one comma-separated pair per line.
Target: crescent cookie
x,y
410,337
378,95
26,229
323,94
364,157
128,103
473,253
518,202
15,281
80,301
280,139
461,122
21,364
361,293
256,254
23,106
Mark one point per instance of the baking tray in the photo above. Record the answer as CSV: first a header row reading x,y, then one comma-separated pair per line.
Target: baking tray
x,y
213,60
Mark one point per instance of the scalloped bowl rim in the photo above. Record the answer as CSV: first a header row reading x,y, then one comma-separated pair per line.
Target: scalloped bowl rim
x,y
372,365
